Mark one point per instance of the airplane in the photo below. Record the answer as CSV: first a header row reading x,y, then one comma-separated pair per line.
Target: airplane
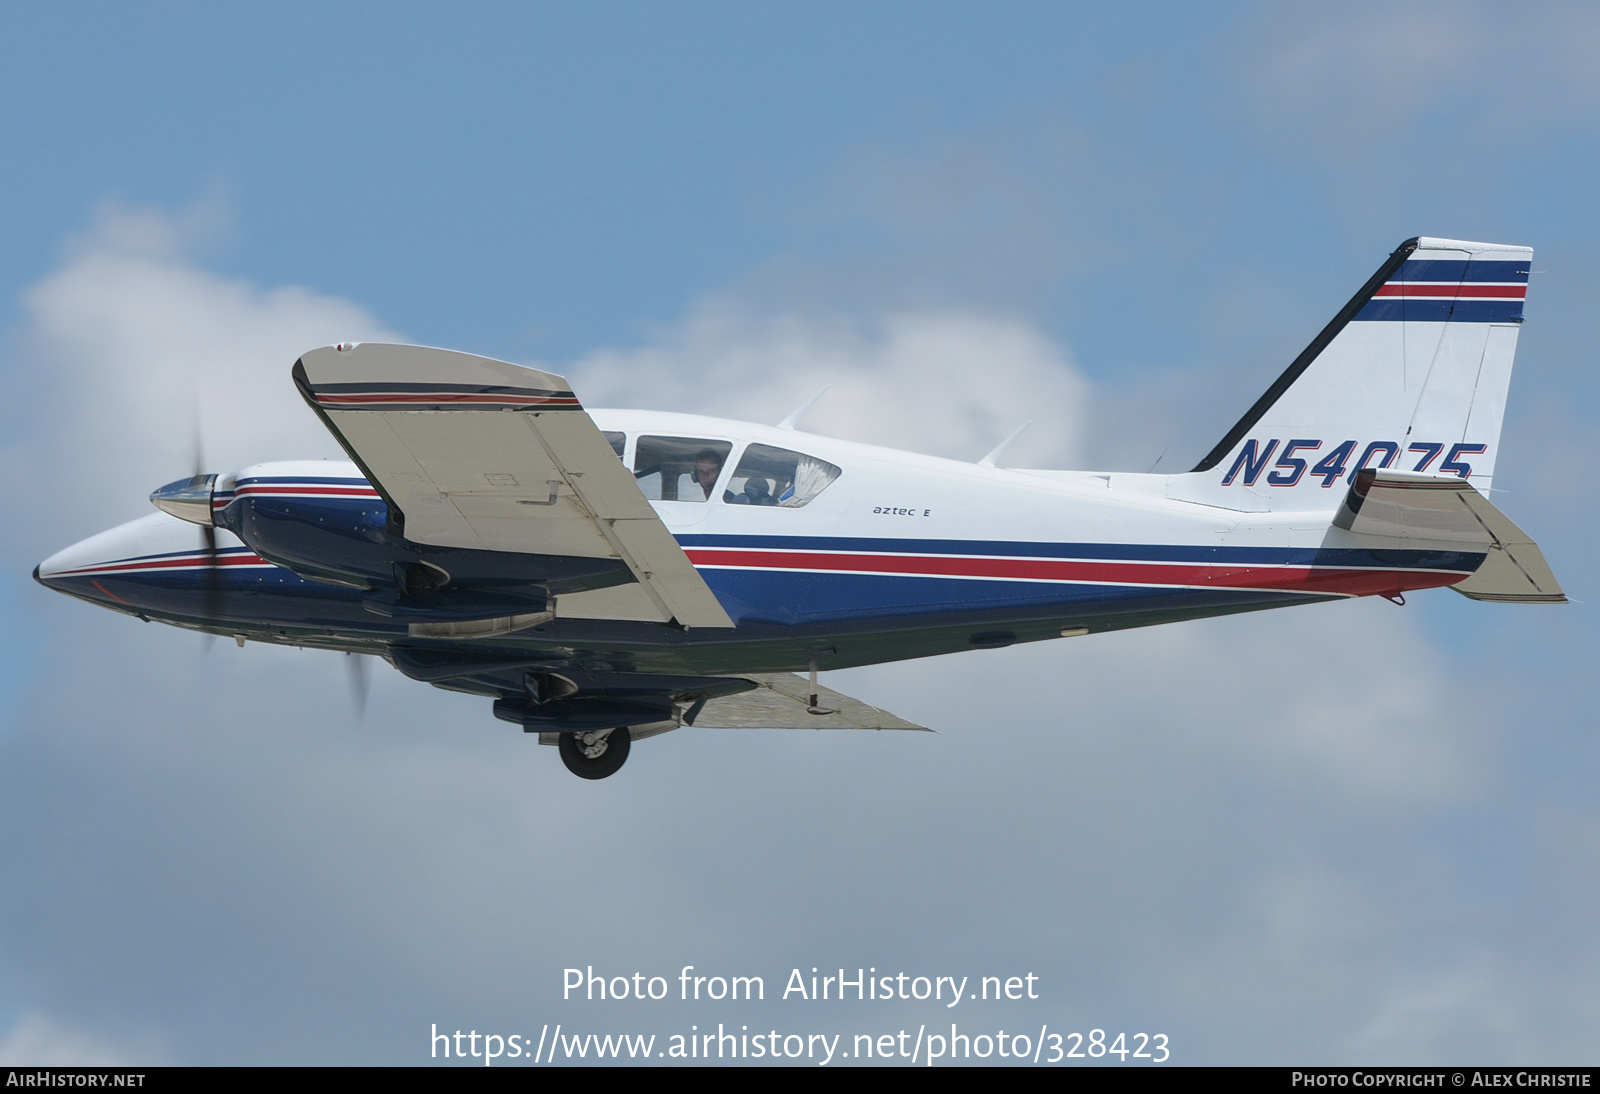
x,y
604,576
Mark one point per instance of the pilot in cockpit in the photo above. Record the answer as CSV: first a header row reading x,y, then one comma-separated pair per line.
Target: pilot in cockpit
x,y
707,467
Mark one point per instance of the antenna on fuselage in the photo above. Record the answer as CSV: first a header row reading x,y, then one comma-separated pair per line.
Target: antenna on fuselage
x,y
989,460
799,412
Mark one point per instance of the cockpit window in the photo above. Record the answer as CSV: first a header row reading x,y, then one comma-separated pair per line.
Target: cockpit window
x,y
776,476
679,468
618,441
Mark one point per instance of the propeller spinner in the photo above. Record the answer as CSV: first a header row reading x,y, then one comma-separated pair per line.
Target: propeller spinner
x,y
187,499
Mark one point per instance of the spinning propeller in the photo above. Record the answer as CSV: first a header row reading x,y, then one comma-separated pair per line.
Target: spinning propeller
x,y
360,676
190,499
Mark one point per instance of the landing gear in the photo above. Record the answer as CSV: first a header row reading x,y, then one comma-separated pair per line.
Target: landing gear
x,y
595,753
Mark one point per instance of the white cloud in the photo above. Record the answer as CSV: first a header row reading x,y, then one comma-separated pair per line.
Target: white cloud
x,y
38,1041
1345,701
1390,63
130,343
1444,1014
944,382
1362,79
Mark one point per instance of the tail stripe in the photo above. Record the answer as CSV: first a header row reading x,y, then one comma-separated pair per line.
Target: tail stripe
x,y
1448,290
1456,270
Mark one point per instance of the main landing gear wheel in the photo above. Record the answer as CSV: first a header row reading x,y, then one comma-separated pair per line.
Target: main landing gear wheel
x,y
595,753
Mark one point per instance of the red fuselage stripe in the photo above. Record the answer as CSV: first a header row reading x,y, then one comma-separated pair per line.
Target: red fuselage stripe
x,y
1354,582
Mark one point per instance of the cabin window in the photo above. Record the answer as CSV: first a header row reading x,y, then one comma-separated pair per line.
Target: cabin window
x,y
617,441
776,476
679,468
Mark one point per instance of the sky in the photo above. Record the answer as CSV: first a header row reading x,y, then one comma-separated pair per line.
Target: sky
x,y
1350,833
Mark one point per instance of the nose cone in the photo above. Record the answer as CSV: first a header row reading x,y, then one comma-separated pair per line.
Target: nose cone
x,y
81,570
187,499
130,568
51,571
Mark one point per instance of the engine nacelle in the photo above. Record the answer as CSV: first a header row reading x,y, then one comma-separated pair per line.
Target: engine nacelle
x,y
325,522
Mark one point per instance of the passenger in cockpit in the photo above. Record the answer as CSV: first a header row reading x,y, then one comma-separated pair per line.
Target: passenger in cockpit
x,y
756,491
759,491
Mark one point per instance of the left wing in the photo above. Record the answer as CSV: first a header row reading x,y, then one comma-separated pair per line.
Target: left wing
x,y
481,454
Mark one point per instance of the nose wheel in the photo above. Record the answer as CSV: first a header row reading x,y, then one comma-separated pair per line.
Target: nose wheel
x,y
595,753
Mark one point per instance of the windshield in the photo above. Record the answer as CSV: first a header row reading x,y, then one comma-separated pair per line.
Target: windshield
x,y
778,477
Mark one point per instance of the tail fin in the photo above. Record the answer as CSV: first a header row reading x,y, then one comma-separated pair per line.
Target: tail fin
x,y
1411,375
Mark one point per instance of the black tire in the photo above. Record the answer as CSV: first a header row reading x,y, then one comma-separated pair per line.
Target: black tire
x,y
575,754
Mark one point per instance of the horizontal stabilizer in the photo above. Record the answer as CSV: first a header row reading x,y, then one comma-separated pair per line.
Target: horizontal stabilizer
x,y
781,701
1515,571
1448,509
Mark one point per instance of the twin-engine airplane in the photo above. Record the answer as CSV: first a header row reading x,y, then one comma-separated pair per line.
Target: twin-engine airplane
x,y
606,576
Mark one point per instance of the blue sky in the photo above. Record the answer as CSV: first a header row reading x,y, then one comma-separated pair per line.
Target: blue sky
x,y
1353,833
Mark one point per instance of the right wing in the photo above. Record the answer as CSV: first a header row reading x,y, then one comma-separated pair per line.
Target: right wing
x,y
480,454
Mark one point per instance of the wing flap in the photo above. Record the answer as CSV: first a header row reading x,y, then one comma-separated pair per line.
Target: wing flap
x,y
480,454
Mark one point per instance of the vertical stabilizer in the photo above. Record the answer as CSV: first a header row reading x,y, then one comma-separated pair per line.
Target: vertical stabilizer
x,y
1411,375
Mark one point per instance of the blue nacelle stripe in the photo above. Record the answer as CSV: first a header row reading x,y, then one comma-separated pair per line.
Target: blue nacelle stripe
x,y
299,480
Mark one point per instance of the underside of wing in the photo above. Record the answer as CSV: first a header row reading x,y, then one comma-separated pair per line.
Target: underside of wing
x,y
479,454
782,700
550,696
1448,509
